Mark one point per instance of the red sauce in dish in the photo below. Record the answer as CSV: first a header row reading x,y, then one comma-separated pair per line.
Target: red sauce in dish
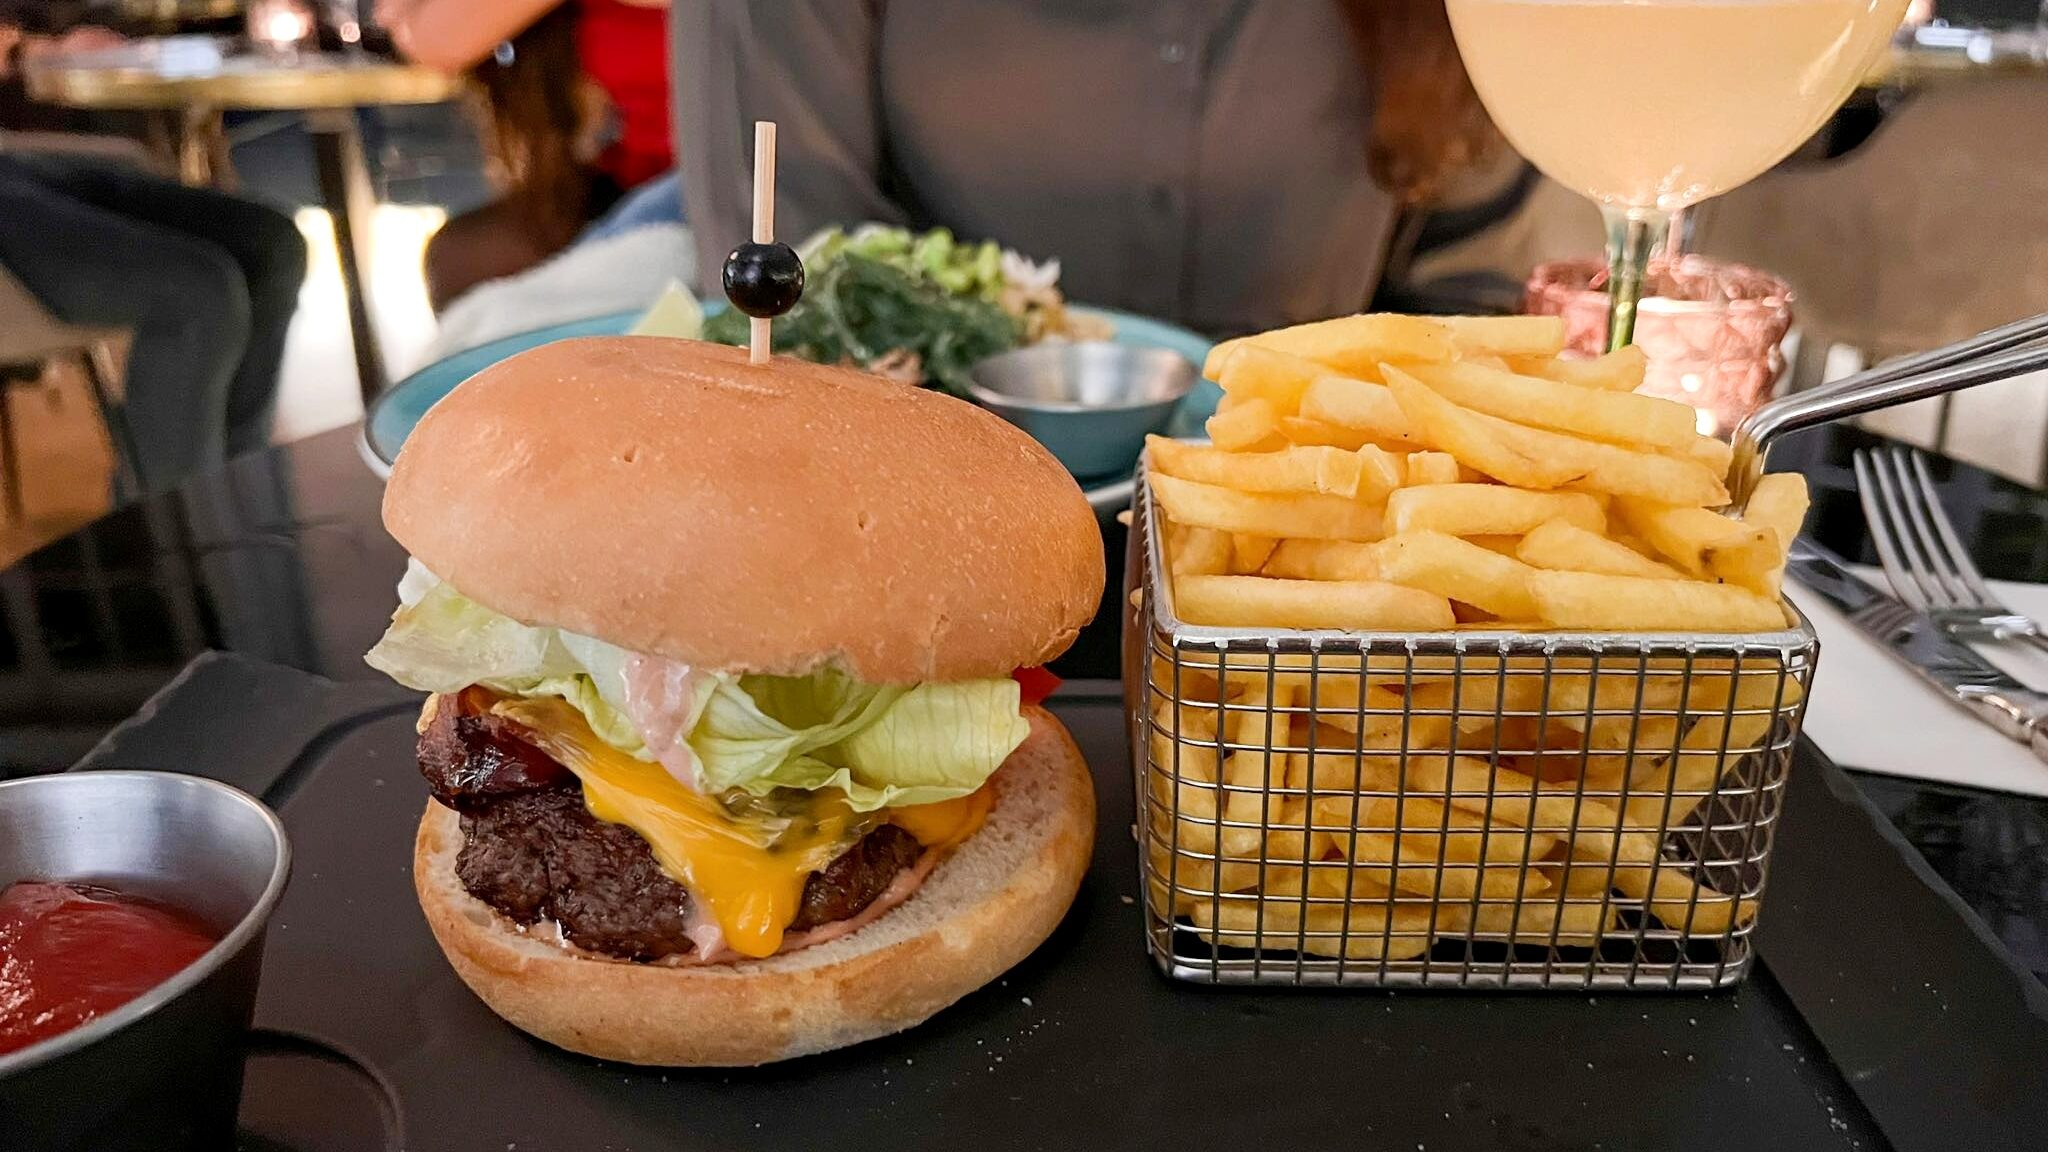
x,y
69,953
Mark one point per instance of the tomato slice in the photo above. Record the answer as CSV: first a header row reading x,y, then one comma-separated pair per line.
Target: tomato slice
x,y
1037,684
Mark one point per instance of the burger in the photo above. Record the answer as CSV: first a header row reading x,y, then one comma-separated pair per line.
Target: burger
x,y
729,745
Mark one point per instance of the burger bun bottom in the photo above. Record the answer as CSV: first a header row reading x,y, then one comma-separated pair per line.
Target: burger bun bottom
x,y
985,907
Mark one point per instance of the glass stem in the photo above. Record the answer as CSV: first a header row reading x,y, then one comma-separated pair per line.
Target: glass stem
x,y
1675,235
1632,234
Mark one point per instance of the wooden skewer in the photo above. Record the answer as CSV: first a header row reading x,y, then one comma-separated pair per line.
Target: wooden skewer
x,y
758,329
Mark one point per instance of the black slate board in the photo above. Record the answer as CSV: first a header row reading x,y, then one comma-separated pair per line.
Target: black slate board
x,y
1084,1044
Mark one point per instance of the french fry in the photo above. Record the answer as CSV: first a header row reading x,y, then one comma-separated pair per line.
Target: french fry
x,y
1198,552
1571,923
1571,695
1305,432
1471,437
1367,473
1618,371
1564,546
1779,503
1457,570
1192,728
1264,514
1616,417
1248,553
1709,453
1340,735
1260,602
1346,729
1757,570
1598,467
1360,405
1670,894
1487,510
1453,834
1687,777
1576,909
1708,544
1397,863
1323,560
1286,922
1476,336
1185,783
1631,604
1504,545
1254,372
1250,774
1431,468
1484,700
1715,744
1379,473
1348,343
1246,426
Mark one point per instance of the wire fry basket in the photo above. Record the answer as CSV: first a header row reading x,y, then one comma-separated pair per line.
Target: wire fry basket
x,y
1466,809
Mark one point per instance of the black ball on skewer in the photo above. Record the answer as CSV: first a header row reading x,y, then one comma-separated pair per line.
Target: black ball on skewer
x,y
764,280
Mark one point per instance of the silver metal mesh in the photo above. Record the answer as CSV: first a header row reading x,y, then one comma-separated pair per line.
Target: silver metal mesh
x,y
1464,809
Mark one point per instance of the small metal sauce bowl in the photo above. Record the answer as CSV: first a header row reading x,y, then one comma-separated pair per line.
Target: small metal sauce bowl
x,y
163,1071
1091,402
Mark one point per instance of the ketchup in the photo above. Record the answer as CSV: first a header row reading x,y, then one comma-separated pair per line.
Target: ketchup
x,y
69,953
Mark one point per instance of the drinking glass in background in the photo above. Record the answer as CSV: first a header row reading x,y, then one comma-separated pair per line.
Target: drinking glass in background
x,y
346,18
281,27
1712,331
1650,106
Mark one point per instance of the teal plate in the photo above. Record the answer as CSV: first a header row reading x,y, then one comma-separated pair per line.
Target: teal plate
x,y
394,414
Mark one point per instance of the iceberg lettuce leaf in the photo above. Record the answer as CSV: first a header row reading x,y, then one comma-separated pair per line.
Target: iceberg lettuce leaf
x,y
442,641
882,744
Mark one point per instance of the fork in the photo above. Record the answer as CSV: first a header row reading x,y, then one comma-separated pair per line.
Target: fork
x,y
1923,558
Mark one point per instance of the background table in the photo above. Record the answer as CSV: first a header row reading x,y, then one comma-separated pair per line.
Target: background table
x,y
191,81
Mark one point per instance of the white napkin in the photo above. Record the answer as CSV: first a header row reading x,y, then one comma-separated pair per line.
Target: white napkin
x,y
1869,711
622,273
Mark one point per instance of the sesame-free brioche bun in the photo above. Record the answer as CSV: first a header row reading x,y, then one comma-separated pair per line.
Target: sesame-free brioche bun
x,y
986,905
670,498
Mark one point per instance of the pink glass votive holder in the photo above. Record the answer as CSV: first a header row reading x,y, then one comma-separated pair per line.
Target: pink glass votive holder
x,y
1712,330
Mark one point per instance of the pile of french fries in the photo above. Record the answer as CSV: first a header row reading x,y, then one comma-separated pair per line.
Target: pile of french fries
x,y
1404,473
1385,474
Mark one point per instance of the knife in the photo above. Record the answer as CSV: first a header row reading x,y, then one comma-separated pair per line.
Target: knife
x,y
1915,640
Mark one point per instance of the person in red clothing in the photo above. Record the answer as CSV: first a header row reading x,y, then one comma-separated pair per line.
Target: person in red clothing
x,y
539,62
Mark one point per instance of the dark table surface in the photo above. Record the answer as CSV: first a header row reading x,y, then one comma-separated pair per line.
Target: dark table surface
x,y
281,556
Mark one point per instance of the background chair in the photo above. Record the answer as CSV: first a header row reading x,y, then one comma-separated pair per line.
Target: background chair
x,y
30,338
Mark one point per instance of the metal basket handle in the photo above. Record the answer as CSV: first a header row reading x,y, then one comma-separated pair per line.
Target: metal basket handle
x,y
1999,354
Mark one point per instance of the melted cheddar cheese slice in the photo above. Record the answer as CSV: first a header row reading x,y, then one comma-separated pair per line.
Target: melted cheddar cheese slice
x,y
747,871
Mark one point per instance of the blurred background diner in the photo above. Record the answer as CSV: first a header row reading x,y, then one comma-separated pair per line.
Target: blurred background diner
x,y
575,110
224,222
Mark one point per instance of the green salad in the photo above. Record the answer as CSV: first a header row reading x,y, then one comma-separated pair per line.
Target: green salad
x,y
920,307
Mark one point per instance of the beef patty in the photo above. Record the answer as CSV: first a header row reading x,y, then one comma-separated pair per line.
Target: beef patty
x,y
532,850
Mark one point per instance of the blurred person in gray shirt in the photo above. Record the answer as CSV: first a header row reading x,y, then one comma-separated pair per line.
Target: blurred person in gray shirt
x,y
1225,164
